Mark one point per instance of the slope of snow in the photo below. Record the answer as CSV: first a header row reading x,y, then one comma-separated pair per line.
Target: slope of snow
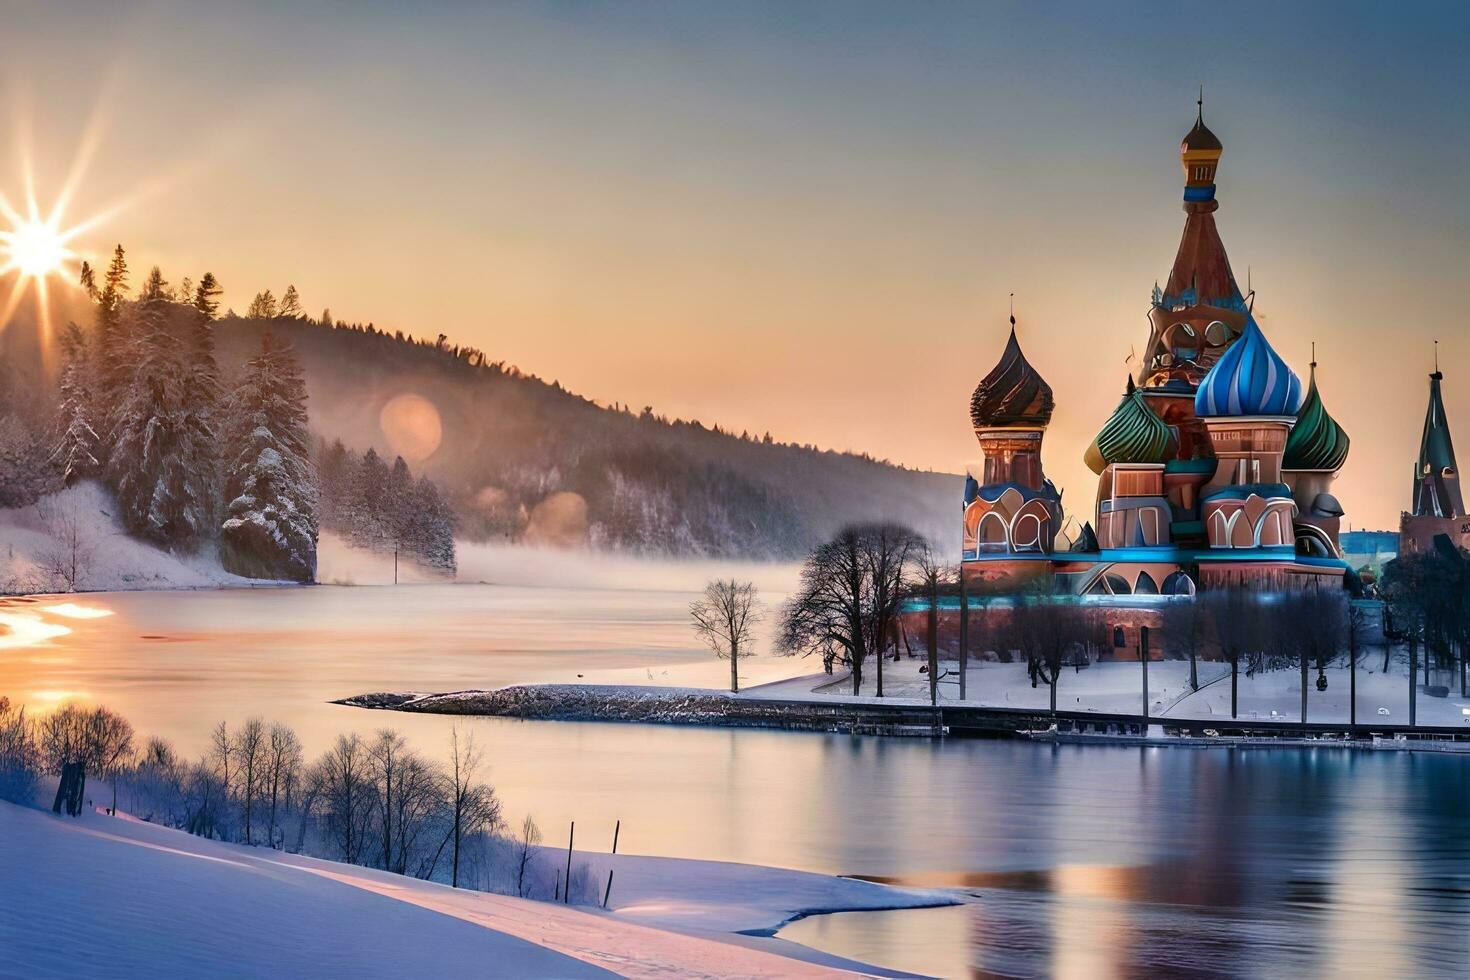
x,y
34,539
118,897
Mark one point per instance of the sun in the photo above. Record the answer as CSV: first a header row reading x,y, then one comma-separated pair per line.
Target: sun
x,y
37,248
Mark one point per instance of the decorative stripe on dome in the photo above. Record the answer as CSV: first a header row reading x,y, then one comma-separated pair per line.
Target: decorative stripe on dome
x,y
1013,393
1316,442
1134,434
1250,378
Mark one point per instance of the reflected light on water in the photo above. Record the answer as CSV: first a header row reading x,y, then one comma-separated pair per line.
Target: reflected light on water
x,y
27,630
76,610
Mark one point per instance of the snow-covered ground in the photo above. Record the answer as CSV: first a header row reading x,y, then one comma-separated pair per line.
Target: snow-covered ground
x,y
73,541
1118,687
117,897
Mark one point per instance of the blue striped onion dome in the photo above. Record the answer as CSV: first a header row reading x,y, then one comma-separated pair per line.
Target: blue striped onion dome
x,y
1250,378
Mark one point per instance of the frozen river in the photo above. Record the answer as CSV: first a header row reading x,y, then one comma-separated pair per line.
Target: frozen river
x,y
1081,861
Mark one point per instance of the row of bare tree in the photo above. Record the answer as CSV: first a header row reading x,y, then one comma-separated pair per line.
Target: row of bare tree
x,y
375,802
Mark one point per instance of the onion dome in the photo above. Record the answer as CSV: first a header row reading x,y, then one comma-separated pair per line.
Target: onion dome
x,y
1200,137
1134,434
1012,394
1316,442
1250,378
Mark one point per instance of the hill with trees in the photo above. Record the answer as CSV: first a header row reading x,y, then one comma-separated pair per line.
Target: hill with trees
x,y
521,459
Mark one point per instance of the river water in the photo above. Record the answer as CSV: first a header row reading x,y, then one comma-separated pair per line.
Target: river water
x,y
1077,861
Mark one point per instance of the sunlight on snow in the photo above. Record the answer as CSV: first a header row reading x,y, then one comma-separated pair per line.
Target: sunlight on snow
x,y
26,630
75,610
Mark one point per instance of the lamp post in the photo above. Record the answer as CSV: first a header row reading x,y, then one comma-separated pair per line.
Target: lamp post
x,y
1143,655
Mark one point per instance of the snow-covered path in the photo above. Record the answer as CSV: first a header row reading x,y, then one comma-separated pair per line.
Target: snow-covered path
x,y
121,898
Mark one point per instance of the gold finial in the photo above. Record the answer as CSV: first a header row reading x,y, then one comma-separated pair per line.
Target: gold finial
x,y
1013,309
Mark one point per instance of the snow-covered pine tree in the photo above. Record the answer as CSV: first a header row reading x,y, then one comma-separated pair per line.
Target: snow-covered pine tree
x,y
369,516
270,529
161,448
434,526
113,354
77,452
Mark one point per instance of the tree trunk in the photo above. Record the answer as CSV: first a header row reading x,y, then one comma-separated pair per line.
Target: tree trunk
x,y
1413,680
1304,685
1143,659
1353,681
964,634
880,667
1193,669
857,679
458,809
1235,687
933,645
735,667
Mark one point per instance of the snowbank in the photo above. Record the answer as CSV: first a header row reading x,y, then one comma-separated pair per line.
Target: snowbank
x,y
117,897
73,541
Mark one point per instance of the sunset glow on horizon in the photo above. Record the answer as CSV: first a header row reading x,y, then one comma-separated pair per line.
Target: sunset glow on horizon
x,y
806,222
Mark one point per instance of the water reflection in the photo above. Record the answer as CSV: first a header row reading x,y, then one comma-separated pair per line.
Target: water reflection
x,y
1075,861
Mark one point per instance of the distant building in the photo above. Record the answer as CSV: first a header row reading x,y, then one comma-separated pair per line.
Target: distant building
x,y
1439,507
1215,469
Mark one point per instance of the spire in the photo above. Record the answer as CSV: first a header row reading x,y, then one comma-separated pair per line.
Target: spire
x,y
1437,477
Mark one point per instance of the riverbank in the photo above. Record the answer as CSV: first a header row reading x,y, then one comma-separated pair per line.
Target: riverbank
x,y
116,896
1100,704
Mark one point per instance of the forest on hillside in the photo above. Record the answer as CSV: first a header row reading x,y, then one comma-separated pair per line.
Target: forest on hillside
x,y
515,458
524,460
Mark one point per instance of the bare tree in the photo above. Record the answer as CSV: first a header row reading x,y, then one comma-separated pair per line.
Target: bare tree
x,y
1186,624
282,771
20,756
475,807
1045,631
75,741
725,618
68,556
525,851
933,574
250,768
847,602
343,791
1239,629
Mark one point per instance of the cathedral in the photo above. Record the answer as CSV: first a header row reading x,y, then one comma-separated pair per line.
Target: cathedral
x,y
1215,469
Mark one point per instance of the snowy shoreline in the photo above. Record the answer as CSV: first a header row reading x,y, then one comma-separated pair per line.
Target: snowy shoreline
x,y
137,899
1269,706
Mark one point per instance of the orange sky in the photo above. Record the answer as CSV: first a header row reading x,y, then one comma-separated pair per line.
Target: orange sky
x,y
803,220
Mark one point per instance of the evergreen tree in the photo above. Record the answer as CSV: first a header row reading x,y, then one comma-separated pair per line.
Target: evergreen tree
x,y
434,526
262,307
326,319
290,303
77,451
271,527
114,356
204,296
369,512
160,463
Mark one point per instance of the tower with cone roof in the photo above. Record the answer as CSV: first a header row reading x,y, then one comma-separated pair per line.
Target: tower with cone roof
x,y
1438,506
1013,512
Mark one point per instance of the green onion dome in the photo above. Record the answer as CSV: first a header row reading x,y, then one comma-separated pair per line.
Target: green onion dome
x,y
1316,442
1134,434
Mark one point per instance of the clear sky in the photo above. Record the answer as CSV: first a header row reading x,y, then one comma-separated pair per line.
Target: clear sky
x,y
796,217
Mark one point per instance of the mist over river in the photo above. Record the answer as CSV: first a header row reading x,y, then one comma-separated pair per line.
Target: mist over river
x,y
1079,861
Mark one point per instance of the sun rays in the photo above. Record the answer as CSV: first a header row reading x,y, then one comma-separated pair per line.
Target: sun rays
x,y
35,244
